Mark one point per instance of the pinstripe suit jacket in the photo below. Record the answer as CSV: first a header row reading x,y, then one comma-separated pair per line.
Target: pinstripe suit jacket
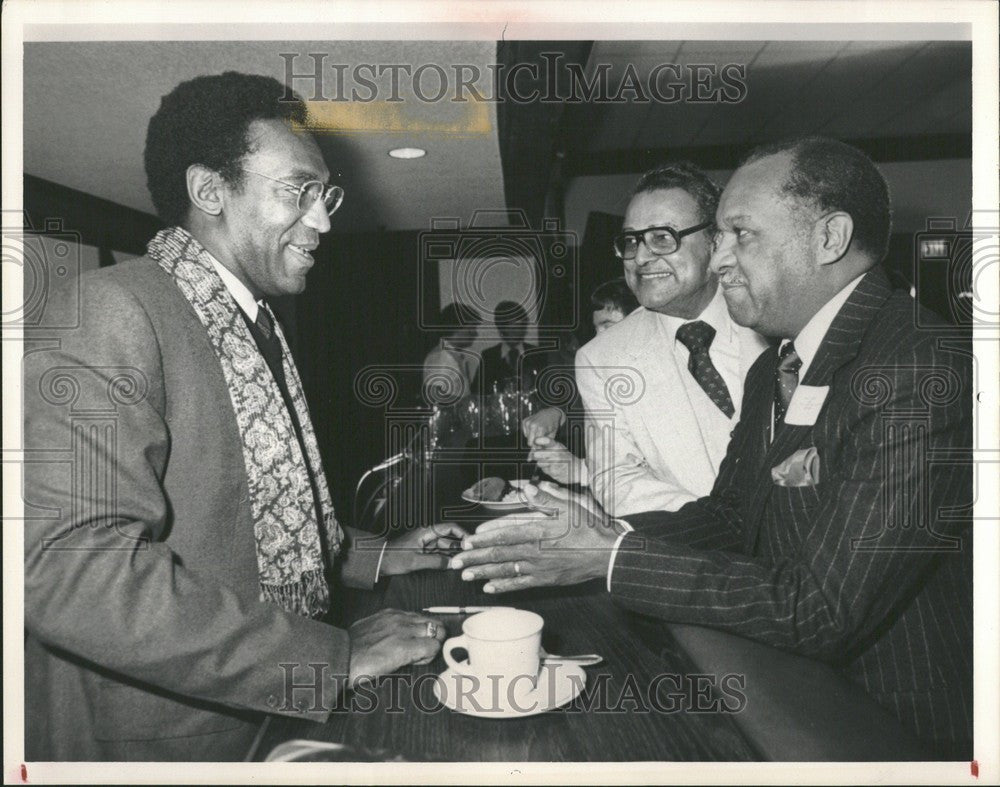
x,y
869,569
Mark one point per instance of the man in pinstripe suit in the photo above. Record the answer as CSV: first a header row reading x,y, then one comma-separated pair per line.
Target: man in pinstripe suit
x,y
838,527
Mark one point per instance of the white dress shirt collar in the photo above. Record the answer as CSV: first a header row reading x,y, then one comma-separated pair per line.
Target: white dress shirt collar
x,y
811,336
240,292
715,314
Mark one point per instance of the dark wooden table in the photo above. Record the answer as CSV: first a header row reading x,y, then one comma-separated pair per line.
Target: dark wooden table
x,y
614,722
715,696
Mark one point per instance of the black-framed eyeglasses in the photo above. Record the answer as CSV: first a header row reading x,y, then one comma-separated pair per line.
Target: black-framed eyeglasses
x,y
310,191
659,240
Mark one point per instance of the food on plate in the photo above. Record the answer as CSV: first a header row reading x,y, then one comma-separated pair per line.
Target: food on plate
x,y
492,490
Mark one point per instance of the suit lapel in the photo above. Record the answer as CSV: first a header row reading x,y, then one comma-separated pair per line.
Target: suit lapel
x,y
752,345
839,346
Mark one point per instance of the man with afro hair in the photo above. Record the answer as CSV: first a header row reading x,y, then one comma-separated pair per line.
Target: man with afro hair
x,y
183,586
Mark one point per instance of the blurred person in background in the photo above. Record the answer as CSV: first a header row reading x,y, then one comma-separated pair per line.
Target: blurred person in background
x,y
513,362
451,366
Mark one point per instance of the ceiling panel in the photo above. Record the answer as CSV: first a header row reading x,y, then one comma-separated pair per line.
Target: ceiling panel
x,y
86,111
617,125
798,53
680,125
849,89
934,65
942,111
720,51
85,118
836,89
768,92
618,51
613,127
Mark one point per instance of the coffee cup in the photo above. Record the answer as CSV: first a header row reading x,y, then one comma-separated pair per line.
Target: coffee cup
x,y
503,646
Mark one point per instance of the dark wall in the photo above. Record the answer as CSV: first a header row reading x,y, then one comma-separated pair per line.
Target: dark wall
x,y
598,264
362,308
99,222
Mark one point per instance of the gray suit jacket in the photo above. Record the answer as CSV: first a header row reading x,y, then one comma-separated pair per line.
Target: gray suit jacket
x,y
145,636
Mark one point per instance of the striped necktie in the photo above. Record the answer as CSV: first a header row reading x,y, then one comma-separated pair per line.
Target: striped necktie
x,y
786,380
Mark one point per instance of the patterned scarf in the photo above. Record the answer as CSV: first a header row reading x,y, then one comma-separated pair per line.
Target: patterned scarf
x,y
282,503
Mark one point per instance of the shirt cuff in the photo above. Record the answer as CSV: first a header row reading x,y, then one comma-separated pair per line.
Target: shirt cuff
x,y
625,529
378,568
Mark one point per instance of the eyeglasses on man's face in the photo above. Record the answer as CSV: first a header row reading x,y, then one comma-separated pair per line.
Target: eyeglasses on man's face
x,y
309,192
659,240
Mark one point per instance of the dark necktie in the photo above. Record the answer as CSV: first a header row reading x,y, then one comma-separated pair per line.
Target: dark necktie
x,y
697,337
786,380
270,345
266,338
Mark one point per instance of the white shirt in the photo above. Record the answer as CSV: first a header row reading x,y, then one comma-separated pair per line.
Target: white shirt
x,y
814,331
240,292
812,335
663,446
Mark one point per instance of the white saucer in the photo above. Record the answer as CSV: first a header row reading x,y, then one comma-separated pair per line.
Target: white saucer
x,y
557,684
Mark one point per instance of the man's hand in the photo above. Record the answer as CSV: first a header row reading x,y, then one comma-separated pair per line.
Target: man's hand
x,y
544,423
421,548
558,462
535,549
390,639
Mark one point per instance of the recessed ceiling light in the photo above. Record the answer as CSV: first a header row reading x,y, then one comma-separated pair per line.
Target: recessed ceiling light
x,y
407,152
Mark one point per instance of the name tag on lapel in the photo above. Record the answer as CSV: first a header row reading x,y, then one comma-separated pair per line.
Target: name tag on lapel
x,y
806,403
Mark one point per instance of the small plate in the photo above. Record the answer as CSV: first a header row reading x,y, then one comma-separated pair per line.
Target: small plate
x,y
510,507
557,685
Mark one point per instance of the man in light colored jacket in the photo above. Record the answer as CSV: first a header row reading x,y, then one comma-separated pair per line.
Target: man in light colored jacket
x,y
662,388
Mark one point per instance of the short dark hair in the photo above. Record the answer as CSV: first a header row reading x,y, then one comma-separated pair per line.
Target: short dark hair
x,y
458,315
689,177
205,121
614,295
828,174
509,313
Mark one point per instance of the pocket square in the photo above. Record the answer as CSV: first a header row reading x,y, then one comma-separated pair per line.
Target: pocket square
x,y
800,469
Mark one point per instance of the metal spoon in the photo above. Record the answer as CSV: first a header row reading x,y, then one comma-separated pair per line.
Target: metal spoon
x,y
583,659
